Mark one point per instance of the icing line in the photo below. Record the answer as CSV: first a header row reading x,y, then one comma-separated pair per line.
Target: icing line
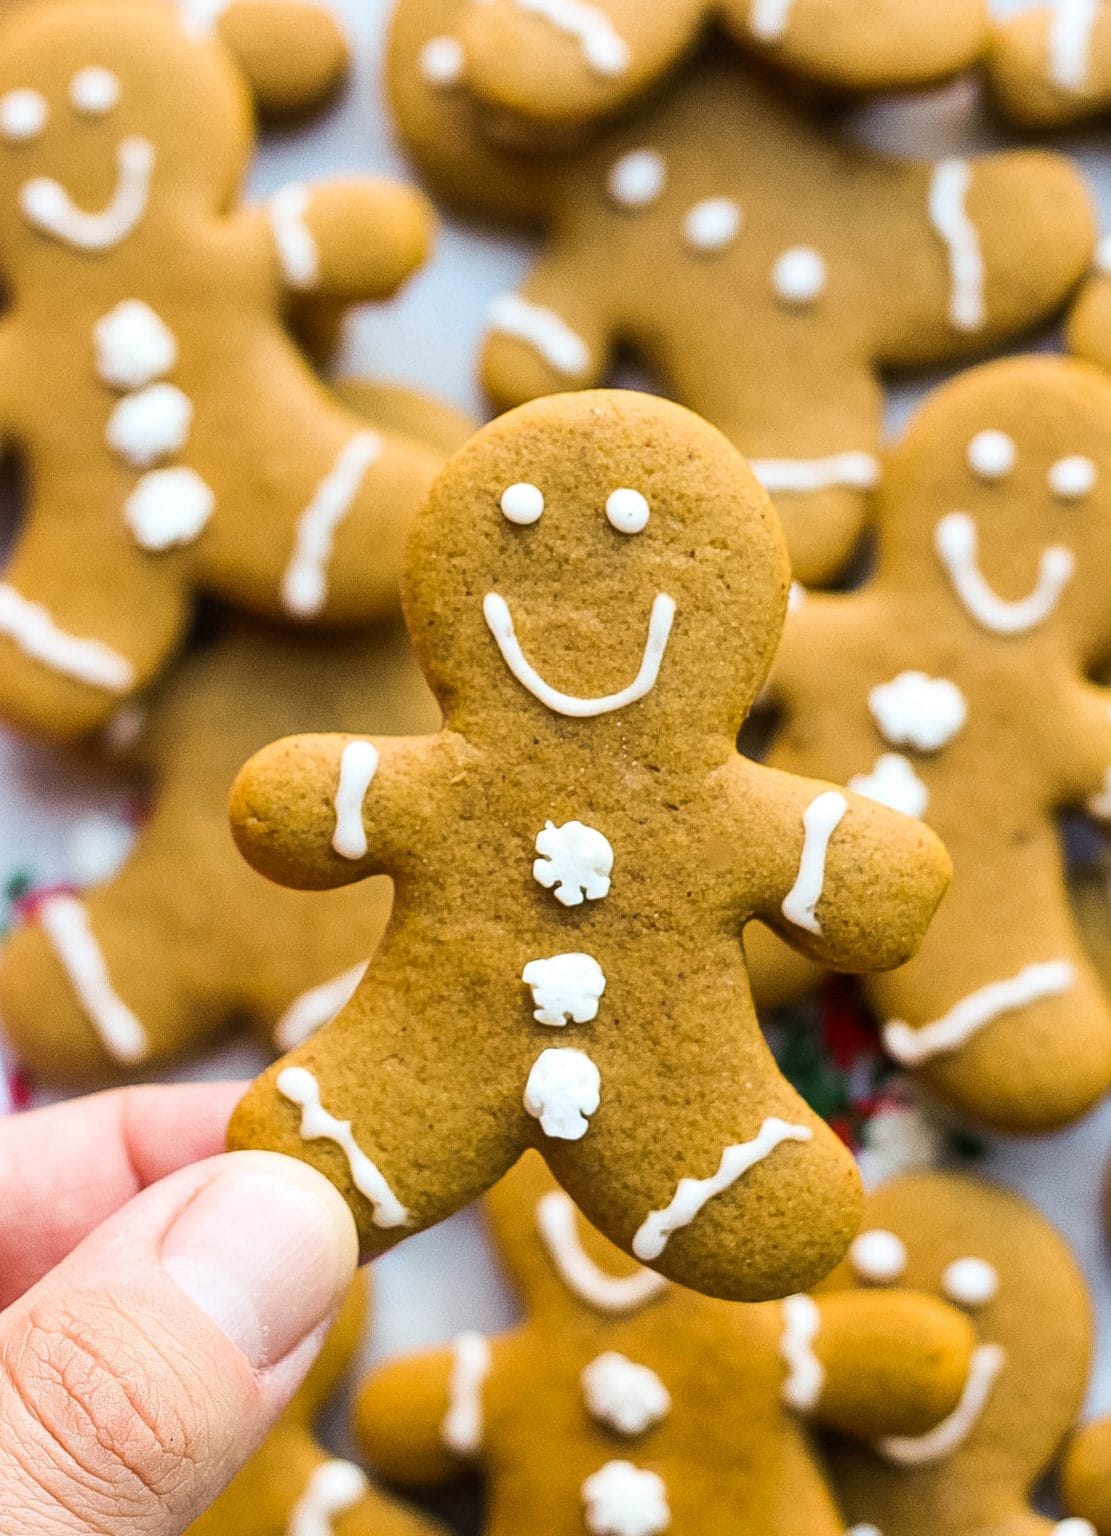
x,y
941,1441
974,1012
957,544
30,626
48,207
603,47
357,766
298,254
65,921
334,1489
305,583
300,1087
1071,25
315,1008
462,1427
856,471
806,1374
820,821
948,212
556,1221
770,18
542,329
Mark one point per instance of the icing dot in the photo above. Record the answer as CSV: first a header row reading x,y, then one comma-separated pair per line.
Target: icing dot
x,y
627,511
637,179
442,61
1074,1527
522,504
970,1282
23,115
133,347
94,91
878,1256
991,455
150,425
799,276
1072,478
712,224
169,507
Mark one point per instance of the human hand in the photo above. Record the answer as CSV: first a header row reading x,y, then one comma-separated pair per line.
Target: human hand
x,y
160,1305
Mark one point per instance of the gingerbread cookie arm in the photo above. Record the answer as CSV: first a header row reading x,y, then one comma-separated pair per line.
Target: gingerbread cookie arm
x,y
1089,328
1086,1476
293,52
1051,66
1075,738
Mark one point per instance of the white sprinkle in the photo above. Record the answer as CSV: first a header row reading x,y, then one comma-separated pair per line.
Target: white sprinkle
x,y
576,862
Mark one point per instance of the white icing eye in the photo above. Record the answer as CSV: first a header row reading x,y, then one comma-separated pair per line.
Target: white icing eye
x,y
799,276
878,1256
94,91
970,1282
991,455
712,224
637,179
23,115
627,511
522,504
442,61
1073,478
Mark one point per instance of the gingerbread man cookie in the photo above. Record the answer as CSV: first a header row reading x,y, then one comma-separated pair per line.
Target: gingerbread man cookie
x,y
198,453
594,590
1050,65
570,61
291,1486
765,270
670,1411
953,685
991,1254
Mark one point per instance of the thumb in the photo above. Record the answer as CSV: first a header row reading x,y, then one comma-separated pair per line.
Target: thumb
x,y
138,1376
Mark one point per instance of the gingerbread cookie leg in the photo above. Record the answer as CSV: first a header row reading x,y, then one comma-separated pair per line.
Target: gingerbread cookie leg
x,y
420,1420
293,52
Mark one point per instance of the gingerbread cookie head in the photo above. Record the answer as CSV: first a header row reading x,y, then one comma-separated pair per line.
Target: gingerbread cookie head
x,y
990,1254
671,1411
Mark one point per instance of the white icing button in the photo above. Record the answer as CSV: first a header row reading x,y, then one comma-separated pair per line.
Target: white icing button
x,y
918,711
23,115
94,91
150,425
799,276
878,1256
565,988
712,224
894,783
627,511
563,1090
637,180
992,455
575,864
970,1282
622,1500
1074,1527
132,346
442,61
1072,478
522,504
169,507
625,1397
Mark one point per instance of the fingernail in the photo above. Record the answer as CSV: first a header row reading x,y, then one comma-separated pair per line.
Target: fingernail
x,y
267,1250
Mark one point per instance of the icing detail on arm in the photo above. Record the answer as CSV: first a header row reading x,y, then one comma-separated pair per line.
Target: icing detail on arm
x,y
463,1427
820,821
298,253
1099,805
169,508
300,1087
976,1011
622,1500
442,62
603,47
878,1257
894,783
1103,255
499,621
556,1221
949,218
712,225
565,988
957,544
806,1377
305,583
199,17
915,710
334,1489
971,1282
132,346
65,921
315,1008
576,860
692,1194
948,1436
799,477
48,207
628,1398
1071,25
30,626
769,19
149,425
563,1090
637,179
541,329
357,766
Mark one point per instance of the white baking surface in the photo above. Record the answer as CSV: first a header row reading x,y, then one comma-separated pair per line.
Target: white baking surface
x,y
60,820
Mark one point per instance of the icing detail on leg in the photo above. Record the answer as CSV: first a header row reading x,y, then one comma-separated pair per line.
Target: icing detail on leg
x,y
333,1489
576,860
769,19
974,1012
65,921
820,821
957,544
563,1090
541,329
300,1087
948,212
34,631
692,1194
617,1295
1071,25
948,1436
48,207
463,1426
854,471
357,767
499,621
132,346
298,255
565,988
626,1397
806,1377
894,783
305,584
603,47
315,1008
622,1500
169,508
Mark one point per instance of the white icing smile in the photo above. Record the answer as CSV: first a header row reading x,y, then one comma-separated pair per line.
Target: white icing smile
x,y
957,546
499,620
48,207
